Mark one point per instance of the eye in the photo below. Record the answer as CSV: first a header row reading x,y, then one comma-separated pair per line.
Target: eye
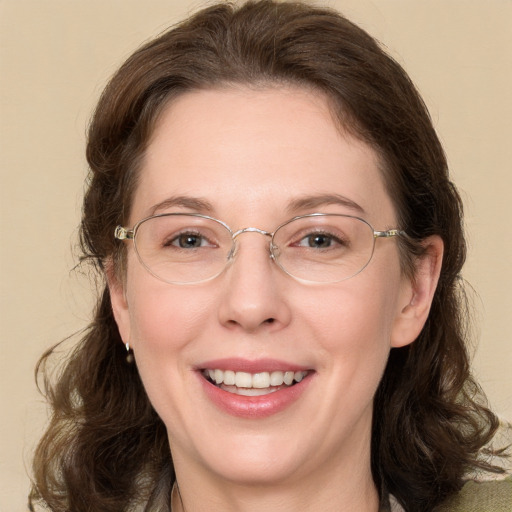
x,y
188,240
319,240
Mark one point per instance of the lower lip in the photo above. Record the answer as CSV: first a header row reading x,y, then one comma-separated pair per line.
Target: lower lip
x,y
254,407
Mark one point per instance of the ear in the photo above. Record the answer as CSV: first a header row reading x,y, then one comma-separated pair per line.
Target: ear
x,y
117,290
417,293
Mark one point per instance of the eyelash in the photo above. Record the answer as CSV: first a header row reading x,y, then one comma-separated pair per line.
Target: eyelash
x,y
331,236
173,241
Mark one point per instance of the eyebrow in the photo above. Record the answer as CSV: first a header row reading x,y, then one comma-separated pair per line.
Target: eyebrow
x,y
314,201
201,205
197,204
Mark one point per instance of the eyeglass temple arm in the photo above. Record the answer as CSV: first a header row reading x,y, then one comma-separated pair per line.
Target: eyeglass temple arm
x,y
123,234
388,233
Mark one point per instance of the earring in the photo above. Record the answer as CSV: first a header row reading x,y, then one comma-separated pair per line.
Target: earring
x,y
129,355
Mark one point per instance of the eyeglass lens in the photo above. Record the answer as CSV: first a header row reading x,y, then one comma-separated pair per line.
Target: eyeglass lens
x,y
319,248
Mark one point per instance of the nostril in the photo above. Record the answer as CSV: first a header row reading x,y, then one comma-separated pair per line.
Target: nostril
x,y
269,320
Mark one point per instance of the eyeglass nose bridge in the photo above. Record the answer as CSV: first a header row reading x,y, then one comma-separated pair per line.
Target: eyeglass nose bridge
x,y
251,230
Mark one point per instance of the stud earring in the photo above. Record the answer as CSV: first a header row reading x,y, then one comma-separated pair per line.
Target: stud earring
x,y
129,355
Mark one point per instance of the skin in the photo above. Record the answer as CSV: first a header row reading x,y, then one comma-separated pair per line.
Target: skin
x,y
249,153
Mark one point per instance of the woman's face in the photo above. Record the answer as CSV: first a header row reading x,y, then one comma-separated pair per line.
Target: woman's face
x,y
256,158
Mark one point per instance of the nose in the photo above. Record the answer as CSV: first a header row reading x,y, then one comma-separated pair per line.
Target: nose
x,y
254,294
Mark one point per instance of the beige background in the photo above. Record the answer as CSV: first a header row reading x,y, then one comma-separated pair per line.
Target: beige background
x,y
55,56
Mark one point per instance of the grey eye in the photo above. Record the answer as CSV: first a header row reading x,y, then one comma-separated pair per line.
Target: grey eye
x,y
188,240
319,241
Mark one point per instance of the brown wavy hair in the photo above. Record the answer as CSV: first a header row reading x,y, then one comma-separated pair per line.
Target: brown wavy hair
x,y
105,448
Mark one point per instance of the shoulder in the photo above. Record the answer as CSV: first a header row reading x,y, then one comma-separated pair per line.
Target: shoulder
x,y
488,492
475,496
482,491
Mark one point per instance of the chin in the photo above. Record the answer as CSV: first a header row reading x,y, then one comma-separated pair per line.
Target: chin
x,y
254,471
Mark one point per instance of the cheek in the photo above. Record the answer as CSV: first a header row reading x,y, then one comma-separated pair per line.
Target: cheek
x,y
164,318
352,329
355,316
165,321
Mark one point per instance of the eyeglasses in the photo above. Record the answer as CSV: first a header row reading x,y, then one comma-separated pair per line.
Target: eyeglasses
x,y
183,248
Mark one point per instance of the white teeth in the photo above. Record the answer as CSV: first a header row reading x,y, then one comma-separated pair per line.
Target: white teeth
x,y
262,380
229,378
288,378
248,391
242,380
276,378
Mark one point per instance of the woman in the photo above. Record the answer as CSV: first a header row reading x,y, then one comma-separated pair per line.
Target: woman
x,y
282,324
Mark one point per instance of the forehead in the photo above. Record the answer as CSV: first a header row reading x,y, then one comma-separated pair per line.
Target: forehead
x,y
254,152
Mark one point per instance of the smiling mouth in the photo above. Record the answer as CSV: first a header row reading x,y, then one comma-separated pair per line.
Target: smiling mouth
x,y
253,384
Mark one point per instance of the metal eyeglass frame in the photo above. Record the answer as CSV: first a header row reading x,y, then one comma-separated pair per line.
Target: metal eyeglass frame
x,y
122,233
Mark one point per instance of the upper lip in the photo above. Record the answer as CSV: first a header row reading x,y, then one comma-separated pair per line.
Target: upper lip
x,y
251,366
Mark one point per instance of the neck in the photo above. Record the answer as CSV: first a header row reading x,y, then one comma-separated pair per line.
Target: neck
x,y
364,502
346,489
